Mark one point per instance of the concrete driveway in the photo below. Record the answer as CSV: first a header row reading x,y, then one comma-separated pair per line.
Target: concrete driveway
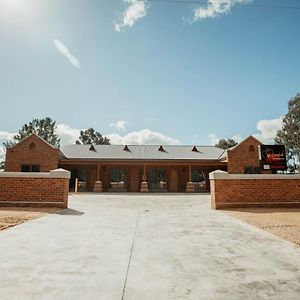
x,y
145,247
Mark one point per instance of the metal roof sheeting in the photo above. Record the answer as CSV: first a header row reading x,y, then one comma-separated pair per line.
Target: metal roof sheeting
x,y
141,152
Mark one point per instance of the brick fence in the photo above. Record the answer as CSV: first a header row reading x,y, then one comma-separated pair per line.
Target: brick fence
x,y
35,189
247,190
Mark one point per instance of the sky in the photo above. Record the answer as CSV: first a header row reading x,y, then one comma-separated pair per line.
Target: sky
x,y
149,72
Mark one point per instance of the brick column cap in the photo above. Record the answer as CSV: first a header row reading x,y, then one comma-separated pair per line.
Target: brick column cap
x,y
60,173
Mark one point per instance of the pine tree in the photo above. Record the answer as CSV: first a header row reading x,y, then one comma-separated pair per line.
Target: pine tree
x,y
44,128
226,144
90,136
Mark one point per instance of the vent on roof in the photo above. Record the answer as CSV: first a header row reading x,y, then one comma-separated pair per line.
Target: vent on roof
x,y
92,148
126,148
161,148
195,149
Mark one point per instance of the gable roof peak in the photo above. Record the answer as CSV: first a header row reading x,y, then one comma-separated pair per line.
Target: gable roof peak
x,y
243,141
30,136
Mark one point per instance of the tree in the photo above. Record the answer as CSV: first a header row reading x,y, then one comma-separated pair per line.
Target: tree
x,y
2,165
226,144
45,128
289,134
90,136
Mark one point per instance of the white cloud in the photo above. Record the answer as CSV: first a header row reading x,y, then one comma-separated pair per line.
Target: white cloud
x,y
120,125
5,136
237,137
142,137
66,52
214,139
67,134
215,8
2,153
136,10
268,130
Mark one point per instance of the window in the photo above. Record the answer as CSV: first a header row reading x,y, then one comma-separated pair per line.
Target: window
x,y
198,178
32,146
248,170
26,168
118,179
30,168
157,179
252,170
256,170
198,175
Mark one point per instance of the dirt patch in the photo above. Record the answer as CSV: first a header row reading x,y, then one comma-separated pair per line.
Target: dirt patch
x,y
12,216
284,223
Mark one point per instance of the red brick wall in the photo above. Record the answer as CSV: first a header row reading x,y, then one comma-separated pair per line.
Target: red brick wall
x,y
240,156
31,191
42,154
261,190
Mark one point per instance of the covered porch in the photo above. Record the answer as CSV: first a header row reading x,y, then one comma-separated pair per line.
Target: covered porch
x,y
140,176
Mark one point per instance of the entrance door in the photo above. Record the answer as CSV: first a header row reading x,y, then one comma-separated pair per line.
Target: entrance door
x,y
173,184
157,180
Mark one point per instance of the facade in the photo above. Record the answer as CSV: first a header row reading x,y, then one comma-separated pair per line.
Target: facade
x,y
134,168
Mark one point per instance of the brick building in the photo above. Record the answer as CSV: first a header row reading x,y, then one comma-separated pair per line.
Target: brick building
x,y
134,168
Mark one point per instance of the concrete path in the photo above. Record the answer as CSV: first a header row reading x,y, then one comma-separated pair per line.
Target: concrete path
x,y
138,247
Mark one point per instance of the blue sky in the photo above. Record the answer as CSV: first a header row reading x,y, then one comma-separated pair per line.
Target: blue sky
x,y
166,76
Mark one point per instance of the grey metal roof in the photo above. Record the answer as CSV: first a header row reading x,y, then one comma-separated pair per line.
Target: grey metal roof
x,y
141,152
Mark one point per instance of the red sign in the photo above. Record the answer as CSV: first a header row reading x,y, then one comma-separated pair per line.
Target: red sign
x,y
273,157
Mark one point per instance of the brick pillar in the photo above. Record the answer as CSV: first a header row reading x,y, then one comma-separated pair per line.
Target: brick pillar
x,y
144,187
144,183
98,187
190,187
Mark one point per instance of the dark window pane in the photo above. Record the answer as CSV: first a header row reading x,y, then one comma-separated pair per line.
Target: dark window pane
x,y
118,179
35,168
257,170
82,174
25,168
157,179
248,170
198,175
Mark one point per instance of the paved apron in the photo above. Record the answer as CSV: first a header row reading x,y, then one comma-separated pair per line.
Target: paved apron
x,y
145,247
